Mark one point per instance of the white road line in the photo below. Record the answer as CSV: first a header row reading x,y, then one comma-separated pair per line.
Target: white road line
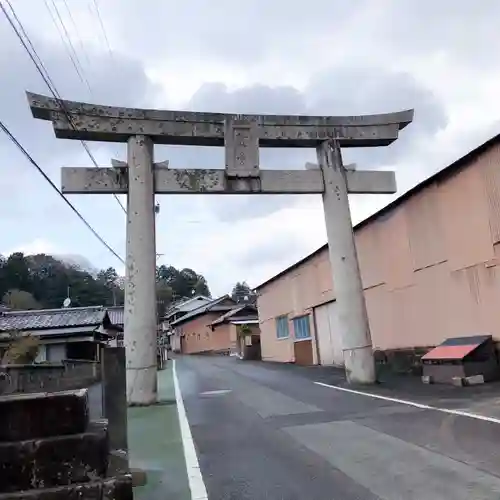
x,y
412,403
196,483
215,393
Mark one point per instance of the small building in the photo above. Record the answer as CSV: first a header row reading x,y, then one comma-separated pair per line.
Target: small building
x,y
193,332
175,312
68,333
117,318
430,267
244,331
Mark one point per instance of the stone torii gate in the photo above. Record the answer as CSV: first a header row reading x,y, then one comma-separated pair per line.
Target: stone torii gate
x,y
241,135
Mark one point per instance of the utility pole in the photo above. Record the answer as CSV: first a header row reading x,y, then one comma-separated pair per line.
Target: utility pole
x,y
241,136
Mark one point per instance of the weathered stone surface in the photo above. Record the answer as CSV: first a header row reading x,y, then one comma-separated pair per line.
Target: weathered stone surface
x,y
474,380
118,463
116,124
115,395
139,477
43,106
119,488
88,491
30,416
53,461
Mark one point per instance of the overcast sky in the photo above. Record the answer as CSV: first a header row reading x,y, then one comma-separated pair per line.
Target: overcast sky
x,y
260,56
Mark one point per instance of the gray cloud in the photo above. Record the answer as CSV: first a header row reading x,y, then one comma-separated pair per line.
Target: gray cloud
x,y
244,34
370,90
288,247
467,32
241,33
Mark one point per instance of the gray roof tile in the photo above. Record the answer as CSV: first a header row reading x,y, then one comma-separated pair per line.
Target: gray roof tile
x,y
51,318
214,305
116,315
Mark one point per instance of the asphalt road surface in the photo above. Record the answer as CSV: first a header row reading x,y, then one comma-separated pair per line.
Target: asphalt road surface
x,y
265,431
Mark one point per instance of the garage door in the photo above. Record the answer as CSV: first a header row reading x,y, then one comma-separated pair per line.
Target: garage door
x,y
328,335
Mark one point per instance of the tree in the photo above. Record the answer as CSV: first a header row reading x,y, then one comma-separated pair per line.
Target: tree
x,y
242,293
42,281
111,281
15,274
20,300
184,283
164,294
22,349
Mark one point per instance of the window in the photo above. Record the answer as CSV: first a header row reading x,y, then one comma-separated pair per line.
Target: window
x,y
282,327
301,328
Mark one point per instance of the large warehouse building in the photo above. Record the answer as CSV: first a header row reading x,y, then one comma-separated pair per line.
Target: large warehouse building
x,y
430,269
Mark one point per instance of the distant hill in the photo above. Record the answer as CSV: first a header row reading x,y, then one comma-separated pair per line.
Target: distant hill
x,y
78,261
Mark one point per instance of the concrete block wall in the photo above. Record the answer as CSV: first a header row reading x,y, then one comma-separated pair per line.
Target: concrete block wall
x,y
69,374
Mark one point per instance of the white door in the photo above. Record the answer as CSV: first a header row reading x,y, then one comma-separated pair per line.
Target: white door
x,y
328,335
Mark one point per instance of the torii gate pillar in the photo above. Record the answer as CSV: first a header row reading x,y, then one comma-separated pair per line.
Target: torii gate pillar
x,y
353,318
140,287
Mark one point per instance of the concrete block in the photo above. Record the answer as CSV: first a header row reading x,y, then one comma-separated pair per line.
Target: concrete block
x,y
118,463
139,477
37,415
117,488
427,379
89,491
53,461
115,395
474,380
458,381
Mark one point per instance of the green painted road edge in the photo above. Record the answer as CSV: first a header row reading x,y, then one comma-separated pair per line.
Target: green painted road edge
x,y
155,445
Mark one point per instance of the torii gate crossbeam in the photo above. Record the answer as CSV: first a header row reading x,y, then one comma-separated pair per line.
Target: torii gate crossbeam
x,y
241,135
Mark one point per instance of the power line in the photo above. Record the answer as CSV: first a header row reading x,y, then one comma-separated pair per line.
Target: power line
x,y
48,80
110,51
82,75
103,29
76,60
45,75
77,31
47,178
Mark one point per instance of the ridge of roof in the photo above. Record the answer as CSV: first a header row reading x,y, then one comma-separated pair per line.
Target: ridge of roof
x,y
235,310
437,176
200,310
60,310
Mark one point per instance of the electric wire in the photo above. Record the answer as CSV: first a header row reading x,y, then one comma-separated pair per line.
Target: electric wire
x,y
47,178
37,61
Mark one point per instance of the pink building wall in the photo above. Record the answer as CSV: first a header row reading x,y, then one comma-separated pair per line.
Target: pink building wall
x,y
199,337
430,267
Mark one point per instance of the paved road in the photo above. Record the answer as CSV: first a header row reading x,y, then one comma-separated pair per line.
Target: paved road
x,y
277,435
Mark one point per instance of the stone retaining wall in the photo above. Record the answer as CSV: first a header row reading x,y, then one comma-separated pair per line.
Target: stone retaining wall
x,y
48,377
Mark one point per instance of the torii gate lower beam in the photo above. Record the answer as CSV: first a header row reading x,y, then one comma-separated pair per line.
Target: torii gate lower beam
x,y
241,135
